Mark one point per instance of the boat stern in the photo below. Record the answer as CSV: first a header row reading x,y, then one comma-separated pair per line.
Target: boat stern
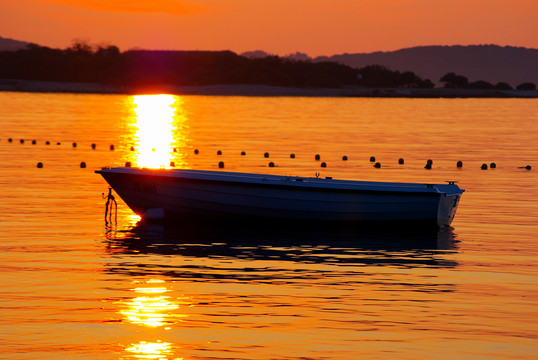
x,y
448,203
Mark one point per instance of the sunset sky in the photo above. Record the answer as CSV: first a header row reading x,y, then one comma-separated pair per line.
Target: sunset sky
x,y
315,27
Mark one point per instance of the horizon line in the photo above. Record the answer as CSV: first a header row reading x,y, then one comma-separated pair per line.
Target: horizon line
x,y
137,48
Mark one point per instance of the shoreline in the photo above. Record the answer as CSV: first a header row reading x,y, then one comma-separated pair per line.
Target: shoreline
x,y
259,90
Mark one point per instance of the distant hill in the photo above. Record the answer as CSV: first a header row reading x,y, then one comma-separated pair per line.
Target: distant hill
x,y
405,68
491,63
12,45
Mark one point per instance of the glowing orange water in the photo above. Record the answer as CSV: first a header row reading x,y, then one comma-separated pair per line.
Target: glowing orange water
x,y
73,288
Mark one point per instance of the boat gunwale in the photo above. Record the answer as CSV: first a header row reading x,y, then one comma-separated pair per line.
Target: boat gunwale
x,y
291,182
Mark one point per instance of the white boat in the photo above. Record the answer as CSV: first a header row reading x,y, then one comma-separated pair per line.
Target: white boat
x,y
203,194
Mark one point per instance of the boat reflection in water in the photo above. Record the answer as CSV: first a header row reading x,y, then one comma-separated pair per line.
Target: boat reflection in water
x,y
283,243
245,277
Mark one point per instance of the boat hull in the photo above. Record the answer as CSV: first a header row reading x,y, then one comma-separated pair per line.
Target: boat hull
x,y
207,194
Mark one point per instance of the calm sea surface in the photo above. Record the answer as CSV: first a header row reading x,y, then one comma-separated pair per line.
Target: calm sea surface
x,y
73,287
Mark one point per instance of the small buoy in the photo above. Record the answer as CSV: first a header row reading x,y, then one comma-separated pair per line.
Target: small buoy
x,y
22,141
153,149
219,152
34,142
74,144
323,164
243,153
528,167
221,164
430,161
128,164
10,140
271,164
344,158
401,161
94,146
39,165
172,164
492,165
175,150
58,143
459,164
292,156
196,151
266,155
111,147
377,165
428,166
484,167
83,165
372,158
317,157
47,143
132,148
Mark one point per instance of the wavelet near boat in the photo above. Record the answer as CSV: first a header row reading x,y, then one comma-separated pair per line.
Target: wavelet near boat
x,y
203,194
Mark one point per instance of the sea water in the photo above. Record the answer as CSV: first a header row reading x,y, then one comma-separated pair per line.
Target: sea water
x,y
73,286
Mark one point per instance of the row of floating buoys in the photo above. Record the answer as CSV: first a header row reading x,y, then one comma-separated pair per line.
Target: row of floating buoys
x,y
317,157
82,165
377,165
74,144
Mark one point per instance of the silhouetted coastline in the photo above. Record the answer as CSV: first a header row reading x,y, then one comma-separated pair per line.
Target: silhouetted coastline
x,y
84,68
256,90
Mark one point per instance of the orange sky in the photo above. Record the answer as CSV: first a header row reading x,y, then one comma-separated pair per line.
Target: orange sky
x,y
316,27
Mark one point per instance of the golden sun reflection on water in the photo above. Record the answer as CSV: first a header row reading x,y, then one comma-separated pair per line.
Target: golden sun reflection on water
x,y
151,350
159,125
152,308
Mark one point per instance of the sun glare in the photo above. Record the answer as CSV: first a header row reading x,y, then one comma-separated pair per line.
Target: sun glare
x,y
158,127
151,307
150,350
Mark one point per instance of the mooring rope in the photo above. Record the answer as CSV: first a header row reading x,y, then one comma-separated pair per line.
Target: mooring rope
x,y
111,207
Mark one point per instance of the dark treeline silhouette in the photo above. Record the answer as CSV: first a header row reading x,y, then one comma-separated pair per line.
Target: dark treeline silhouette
x,y
80,63
141,68
380,76
454,81
226,67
